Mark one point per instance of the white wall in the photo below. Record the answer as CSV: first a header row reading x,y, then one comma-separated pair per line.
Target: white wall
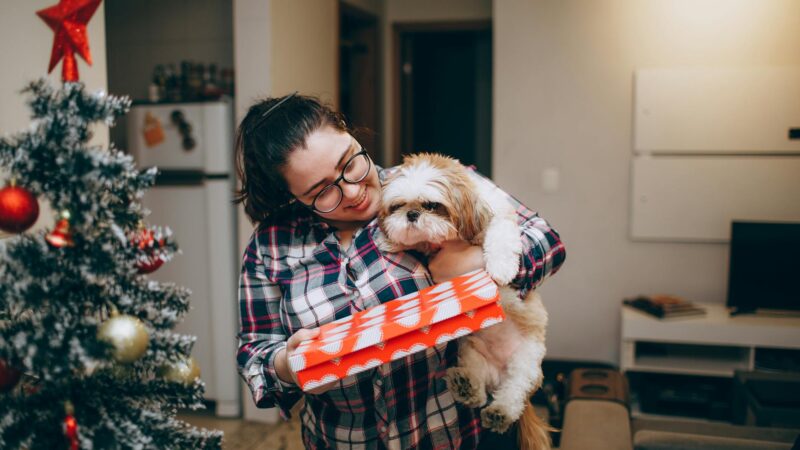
x,y
563,99
25,45
281,46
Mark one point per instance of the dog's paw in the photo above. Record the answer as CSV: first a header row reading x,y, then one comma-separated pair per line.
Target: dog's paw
x,y
464,388
495,417
502,270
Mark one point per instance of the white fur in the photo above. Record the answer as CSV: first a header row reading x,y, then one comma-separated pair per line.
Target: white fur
x,y
414,183
428,228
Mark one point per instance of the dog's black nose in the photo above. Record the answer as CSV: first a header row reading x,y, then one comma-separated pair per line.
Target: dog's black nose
x,y
412,215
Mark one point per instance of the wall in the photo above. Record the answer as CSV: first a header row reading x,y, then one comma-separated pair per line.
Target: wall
x,y
281,46
145,33
25,45
563,99
417,11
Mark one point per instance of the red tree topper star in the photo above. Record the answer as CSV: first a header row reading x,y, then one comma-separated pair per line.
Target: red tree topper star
x,y
68,21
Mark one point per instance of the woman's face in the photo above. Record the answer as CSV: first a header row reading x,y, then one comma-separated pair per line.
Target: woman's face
x,y
309,170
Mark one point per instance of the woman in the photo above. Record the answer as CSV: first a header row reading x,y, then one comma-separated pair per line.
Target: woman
x,y
314,193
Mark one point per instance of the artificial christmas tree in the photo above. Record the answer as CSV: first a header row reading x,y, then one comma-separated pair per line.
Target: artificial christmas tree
x,y
77,316
80,322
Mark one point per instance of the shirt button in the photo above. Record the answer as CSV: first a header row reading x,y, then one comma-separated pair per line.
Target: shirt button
x,y
382,429
379,382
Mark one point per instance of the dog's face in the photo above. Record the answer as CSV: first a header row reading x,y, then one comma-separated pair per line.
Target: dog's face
x,y
430,199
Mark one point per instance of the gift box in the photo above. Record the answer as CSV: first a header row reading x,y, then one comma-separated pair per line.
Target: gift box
x,y
398,328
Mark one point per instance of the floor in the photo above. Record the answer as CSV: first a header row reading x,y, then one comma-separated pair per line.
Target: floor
x,y
244,435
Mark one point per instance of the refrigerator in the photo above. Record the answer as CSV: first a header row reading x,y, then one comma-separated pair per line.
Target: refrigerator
x,y
192,146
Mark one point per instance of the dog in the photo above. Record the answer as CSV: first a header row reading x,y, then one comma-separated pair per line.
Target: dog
x,y
433,198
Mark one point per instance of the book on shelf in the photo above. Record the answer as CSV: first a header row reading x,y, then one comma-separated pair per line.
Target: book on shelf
x,y
665,306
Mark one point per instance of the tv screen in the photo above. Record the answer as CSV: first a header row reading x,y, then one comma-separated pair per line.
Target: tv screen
x,y
764,266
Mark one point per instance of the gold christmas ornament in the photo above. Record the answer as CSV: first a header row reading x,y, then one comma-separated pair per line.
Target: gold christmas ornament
x,y
126,334
184,371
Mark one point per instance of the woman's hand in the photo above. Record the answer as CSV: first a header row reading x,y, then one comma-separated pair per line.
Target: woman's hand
x,y
282,367
455,258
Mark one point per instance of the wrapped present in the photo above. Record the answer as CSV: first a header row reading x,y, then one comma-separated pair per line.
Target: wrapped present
x,y
398,328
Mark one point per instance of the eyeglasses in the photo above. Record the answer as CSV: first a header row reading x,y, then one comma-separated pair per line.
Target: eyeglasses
x,y
355,170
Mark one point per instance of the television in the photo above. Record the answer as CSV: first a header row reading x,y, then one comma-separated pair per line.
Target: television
x,y
764,266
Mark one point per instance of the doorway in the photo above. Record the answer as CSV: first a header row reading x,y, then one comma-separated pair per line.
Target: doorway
x,y
444,91
359,59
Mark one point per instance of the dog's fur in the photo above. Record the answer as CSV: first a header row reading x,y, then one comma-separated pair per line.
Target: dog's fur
x,y
432,199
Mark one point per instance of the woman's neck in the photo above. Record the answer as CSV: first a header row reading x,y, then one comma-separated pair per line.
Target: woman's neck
x,y
345,230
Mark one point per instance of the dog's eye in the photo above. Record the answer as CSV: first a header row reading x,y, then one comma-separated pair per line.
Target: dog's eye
x,y
395,207
430,206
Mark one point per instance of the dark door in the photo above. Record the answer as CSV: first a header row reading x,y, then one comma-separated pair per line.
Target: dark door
x,y
446,94
359,93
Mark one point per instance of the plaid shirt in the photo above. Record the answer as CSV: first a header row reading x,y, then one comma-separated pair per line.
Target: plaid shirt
x,y
296,275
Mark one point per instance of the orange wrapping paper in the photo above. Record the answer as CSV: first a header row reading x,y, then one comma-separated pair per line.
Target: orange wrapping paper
x,y
398,328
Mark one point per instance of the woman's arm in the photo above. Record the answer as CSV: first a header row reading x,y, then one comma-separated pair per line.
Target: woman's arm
x,y
543,252
261,335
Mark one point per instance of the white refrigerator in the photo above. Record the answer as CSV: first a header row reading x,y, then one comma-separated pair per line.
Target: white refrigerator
x,y
192,146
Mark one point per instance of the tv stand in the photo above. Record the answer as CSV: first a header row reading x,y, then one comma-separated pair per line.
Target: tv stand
x,y
739,311
714,345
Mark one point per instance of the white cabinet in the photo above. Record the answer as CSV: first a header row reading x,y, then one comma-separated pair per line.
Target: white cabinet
x,y
711,345
714,345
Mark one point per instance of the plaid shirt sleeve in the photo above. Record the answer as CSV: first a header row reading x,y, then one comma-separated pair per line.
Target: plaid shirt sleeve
x,y
543,252
261,335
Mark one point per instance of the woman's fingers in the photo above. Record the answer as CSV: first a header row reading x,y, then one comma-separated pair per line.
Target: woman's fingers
x,y
301,335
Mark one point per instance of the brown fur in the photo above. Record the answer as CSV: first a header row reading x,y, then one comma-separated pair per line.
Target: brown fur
x,y
534,433
464,208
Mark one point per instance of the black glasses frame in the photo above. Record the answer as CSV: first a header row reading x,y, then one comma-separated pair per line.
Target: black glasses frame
x,y
341,177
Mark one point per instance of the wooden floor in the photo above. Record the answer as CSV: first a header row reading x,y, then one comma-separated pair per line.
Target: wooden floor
x,y
244,435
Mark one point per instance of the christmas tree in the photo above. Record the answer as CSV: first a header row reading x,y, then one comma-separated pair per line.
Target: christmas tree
x,y
87,355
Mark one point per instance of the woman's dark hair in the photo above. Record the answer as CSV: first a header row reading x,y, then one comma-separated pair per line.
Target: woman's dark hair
x,y
271,129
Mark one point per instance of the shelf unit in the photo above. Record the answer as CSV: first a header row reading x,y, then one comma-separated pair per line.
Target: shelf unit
x,y
713,345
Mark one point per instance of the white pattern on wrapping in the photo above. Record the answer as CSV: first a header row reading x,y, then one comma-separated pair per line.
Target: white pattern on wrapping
x,y
341,328
408,304
311,384
356,368
485,289
447,309
297,362
446,337
408,318
373,322
332,348
441,287
368,338
402,353
491,321
374,312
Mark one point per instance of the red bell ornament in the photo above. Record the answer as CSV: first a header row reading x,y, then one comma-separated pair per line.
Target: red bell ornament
x,y
19,209
61,236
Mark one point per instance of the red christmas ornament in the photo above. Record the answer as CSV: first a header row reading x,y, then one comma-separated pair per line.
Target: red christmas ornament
x,y
68,21
60,236
150,258
18,209
71,427
9,376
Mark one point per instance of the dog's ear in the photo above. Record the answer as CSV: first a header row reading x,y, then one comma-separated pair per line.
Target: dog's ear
x,y
471,214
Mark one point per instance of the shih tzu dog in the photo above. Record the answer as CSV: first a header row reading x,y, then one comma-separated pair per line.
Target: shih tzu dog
x,y
431,199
